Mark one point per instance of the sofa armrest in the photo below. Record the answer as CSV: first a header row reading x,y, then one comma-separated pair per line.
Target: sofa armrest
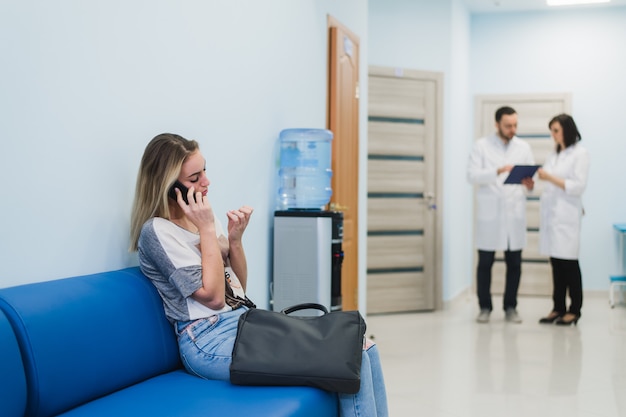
x,y
12,378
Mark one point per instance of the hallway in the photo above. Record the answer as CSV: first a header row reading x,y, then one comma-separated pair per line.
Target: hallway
x,y
444,364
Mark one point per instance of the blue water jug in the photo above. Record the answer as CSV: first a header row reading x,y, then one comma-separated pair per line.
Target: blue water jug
x,y
305,172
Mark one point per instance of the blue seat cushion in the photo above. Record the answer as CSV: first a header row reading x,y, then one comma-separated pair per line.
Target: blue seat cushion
x,y
12,378
181,394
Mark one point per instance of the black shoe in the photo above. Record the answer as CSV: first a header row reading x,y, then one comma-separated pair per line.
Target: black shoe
x,y
568,319
550,318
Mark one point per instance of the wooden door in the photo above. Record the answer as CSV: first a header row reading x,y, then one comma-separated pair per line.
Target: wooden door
x,y
404,129
534,111
343,121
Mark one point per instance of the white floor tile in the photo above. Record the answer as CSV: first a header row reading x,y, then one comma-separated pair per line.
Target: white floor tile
x,y
444,364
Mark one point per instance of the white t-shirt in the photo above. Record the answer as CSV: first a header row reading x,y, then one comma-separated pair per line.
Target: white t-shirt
x,y
170,257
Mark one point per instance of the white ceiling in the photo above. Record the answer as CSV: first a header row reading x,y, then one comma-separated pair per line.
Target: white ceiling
x,y
495,6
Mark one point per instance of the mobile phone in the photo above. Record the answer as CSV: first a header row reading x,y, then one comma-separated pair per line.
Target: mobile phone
x,y
184,190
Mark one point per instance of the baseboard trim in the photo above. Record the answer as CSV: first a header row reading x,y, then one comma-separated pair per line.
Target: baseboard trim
x,y
468,295
462,297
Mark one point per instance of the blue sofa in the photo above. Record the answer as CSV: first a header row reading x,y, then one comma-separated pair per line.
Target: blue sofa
x,y
100,345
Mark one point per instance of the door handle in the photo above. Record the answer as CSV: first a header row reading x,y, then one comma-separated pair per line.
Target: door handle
x,y
429,199
337,207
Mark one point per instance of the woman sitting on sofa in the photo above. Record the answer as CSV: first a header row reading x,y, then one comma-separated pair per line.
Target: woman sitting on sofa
x,y
201,272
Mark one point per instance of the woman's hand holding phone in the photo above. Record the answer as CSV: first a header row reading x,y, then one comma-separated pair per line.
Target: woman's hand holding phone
x,y
195,206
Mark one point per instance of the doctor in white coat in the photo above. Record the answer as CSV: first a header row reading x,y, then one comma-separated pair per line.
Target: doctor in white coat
x,y
565,173
501,210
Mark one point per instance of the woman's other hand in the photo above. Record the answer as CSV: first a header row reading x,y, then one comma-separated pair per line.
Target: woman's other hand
x,y
542,174
237,222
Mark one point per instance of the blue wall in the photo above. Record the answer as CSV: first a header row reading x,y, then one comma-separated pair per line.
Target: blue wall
x,y
435,36
579,51
86,85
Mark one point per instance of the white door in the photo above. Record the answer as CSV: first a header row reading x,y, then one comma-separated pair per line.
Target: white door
x,y
534,112
404,229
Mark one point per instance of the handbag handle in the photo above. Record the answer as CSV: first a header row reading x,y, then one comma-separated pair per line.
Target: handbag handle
x,y
304,306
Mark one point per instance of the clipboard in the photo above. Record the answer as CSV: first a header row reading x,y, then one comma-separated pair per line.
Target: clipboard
x,y
521,171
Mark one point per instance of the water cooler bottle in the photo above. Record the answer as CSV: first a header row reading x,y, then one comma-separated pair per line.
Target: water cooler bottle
x,y
305,171
307,258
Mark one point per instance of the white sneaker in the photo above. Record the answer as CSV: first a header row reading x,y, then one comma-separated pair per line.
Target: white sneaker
x,y
512,316
483,317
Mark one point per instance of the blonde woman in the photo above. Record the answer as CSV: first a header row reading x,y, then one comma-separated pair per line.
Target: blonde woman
x,y
201,272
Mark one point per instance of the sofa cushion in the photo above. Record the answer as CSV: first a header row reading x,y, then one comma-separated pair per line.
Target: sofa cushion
x,y
12,378
181,394
85,337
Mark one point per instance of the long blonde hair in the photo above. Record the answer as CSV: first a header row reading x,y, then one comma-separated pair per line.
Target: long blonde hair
x,y
159,169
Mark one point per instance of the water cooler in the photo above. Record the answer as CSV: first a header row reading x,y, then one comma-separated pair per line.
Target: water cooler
x,y
307,258
307,239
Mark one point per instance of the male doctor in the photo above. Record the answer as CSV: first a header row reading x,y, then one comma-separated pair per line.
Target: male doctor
x,y
500,210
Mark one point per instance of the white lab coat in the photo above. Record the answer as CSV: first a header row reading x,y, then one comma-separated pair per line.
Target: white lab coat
x,y
500,208
562,210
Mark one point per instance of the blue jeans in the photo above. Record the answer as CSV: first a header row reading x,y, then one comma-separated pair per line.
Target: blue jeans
x,y
371,400
206,348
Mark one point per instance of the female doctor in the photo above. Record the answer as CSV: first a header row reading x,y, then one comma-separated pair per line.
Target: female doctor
x,y
565,173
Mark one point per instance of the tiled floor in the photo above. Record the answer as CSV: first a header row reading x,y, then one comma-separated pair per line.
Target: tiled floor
x,y
444,364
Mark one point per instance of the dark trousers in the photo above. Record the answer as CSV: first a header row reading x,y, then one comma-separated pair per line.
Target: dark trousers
x,y
513,261
566,277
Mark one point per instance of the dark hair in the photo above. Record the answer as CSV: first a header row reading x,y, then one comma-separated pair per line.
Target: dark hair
x,y
571,135
502,111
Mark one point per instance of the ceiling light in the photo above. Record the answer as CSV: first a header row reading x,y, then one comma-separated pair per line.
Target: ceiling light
x,y
572,2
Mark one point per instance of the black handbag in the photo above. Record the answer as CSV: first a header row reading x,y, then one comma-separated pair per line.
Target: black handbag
x,y
324,351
